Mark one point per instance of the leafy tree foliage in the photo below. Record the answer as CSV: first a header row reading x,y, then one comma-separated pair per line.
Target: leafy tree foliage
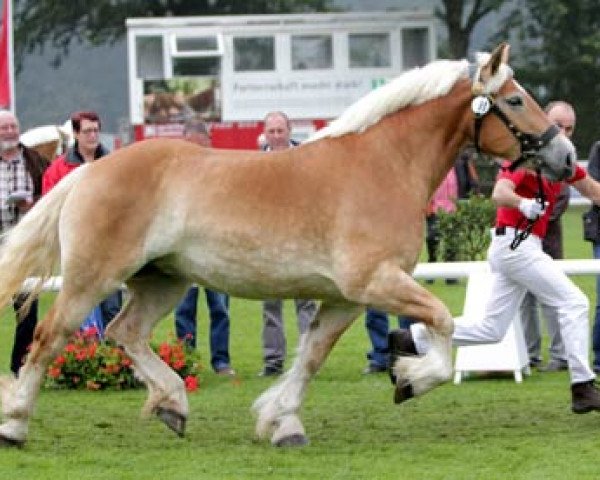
x,y
464,234
39,23
460,17
558,46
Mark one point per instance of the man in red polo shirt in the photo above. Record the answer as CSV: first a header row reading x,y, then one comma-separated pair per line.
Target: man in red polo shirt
x,y
525,268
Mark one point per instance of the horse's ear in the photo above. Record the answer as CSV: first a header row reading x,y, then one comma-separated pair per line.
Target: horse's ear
x,y
498,57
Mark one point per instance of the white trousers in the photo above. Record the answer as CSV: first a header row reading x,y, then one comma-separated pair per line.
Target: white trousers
x,y
514,272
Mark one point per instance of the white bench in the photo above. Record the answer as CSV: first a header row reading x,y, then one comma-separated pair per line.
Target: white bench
x,y
510,354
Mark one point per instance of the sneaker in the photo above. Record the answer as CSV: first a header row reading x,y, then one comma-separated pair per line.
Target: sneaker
x,y
270,371
401,344
225,372
555,365
374,368
585,397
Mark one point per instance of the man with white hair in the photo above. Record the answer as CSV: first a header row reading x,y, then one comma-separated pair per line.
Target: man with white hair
x,y
21,171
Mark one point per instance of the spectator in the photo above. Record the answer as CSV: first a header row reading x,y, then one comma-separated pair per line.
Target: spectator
x,y
21,171
563,115
87,148
444,199
218,303
526,267
277,130
466,174
377,325
594,172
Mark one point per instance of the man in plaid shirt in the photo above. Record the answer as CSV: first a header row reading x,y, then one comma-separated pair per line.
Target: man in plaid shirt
x,y
21,171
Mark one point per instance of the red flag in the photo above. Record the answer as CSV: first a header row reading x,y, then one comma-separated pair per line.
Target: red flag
x,y
6,97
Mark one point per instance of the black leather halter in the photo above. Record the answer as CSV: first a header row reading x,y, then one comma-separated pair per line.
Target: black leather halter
x,y
530,143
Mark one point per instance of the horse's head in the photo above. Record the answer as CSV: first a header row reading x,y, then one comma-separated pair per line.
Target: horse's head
x,y
508,123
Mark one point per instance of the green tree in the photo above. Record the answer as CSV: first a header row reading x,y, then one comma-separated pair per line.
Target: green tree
x,y
460,18
559,57
41,23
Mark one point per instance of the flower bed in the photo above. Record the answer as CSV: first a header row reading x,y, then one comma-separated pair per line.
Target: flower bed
x,y
87,362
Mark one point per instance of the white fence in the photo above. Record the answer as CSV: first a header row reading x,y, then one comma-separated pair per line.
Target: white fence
x,y
423,270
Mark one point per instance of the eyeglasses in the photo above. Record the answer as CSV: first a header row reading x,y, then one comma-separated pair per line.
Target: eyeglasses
x,y
89,131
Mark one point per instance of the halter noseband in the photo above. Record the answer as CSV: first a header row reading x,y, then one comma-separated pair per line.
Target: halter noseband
x,y
484,103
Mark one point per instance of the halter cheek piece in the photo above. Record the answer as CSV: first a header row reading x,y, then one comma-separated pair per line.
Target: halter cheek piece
x,y
484,103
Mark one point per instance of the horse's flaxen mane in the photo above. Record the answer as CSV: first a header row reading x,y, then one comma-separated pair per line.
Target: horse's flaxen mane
x,y
411,88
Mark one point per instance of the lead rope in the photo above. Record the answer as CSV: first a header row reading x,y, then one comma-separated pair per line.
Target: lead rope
x,y
520,232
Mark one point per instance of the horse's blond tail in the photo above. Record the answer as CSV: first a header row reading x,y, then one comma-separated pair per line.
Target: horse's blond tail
x,y
31,248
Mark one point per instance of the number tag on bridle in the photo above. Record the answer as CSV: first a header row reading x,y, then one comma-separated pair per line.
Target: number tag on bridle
x,y
480,105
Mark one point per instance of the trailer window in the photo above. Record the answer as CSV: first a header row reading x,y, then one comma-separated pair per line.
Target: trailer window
x,y
149,57
369,50
198,66
312,52
205,45
252,54
415,47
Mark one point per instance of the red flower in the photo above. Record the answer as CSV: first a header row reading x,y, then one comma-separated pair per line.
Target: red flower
x,y
90,332
191,383
126,361
54,372
81,355
70,348
164,350
178,364
92,349
60,360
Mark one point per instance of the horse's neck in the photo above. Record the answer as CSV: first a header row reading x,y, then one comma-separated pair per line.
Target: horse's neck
x,y
427,137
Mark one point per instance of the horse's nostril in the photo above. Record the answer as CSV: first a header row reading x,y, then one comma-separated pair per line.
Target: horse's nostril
x,y
568,160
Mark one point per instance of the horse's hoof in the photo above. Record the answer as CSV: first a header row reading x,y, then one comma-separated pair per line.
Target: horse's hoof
x,y
175,421
6,442
403,393
295,440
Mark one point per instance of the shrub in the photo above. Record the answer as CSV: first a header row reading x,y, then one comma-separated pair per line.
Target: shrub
x,y
464,234
87,362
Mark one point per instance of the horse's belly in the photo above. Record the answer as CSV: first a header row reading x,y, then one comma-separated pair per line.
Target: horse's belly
x,y
258,275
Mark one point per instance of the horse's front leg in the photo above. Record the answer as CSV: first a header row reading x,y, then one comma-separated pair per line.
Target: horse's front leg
x,y
392,290
277,408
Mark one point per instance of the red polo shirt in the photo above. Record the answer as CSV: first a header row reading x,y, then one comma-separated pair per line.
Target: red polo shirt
x,y
526,183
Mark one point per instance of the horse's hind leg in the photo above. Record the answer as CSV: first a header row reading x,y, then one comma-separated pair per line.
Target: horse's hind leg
x,y
277,408
152,297
19,395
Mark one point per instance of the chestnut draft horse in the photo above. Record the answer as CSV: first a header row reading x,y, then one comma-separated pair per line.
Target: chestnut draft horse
x,y
339,219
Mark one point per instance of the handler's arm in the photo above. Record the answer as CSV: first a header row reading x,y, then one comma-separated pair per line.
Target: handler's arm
x,y
589,188
504,194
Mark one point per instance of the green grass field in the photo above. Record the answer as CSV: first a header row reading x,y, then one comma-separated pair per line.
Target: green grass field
x,y
484,428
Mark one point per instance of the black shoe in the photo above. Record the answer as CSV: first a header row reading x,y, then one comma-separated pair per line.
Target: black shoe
x,y
374,368
535,362
401,344
585,397
270,371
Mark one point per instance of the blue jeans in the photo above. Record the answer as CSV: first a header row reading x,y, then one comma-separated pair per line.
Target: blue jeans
x,y
185,324
596,328
377,325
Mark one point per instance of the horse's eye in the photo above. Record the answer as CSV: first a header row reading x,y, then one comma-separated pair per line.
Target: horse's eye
x,y
515,101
